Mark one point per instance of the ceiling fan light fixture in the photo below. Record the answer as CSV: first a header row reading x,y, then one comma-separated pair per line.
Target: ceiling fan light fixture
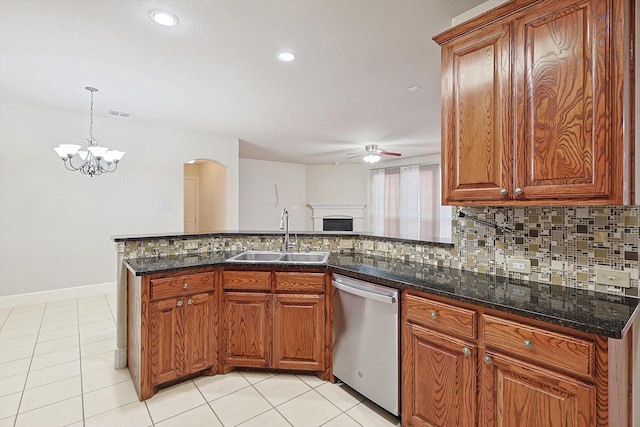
x,y
371,158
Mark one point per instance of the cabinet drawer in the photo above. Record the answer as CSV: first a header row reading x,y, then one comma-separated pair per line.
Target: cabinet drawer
x,y
181,285
299,282
247,280
539,345
440,316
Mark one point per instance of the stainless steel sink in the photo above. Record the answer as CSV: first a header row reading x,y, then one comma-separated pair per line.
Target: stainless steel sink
x,y
257,256
310,257
270,257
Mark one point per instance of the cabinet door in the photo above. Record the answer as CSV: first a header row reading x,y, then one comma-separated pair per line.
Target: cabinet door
x,y
563,129
476,108
199,333
298,332
438,380
166,340
522,395
246,329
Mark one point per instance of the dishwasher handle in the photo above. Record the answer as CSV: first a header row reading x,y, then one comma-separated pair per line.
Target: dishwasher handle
x,y
369,293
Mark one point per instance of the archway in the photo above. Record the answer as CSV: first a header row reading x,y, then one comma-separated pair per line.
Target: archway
x,y
205,196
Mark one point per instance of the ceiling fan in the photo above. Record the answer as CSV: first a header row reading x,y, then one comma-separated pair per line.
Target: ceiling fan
x,y
372,154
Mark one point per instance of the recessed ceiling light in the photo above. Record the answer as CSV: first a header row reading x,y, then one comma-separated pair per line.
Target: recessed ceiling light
x,y
163,18
285,57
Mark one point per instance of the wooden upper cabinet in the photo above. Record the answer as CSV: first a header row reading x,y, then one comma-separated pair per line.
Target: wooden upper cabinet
x,y
562,82
475,116
535,99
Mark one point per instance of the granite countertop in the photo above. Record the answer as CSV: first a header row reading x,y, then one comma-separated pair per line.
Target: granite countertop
x,y
588,311
438,241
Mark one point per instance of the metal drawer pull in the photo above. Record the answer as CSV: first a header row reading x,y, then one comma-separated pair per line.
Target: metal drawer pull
x,y
434,315
528,343
466,351
179,303
185,286
189,301
519,191
504,192
488,360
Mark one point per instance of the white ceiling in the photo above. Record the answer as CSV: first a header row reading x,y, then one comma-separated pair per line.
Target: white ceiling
x,y
216,71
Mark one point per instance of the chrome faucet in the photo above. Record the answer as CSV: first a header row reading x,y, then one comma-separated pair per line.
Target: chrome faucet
x,y
284,225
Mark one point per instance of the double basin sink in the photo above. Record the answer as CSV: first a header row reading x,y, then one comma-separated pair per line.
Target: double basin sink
x,y
271,257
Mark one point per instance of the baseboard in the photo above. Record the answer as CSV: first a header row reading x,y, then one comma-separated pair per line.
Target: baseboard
x,y
121,358
44,297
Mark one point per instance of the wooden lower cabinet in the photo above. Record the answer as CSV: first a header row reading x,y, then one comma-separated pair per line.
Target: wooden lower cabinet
x,y
439,380
246,329
171,328
507,371
298,332
516,393
274,330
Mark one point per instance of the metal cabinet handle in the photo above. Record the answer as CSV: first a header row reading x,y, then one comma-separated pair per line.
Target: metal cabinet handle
x,y
488,360
518,191
466,351
503,192
528,343
434,315
179,303
185,286
189,301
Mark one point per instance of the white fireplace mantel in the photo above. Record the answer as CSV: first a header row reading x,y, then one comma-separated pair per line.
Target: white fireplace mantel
x,y
337,210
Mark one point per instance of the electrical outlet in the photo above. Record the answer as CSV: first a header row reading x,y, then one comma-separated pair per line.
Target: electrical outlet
x,y
191,244
608,277
346,244
519,265
382,247
367,245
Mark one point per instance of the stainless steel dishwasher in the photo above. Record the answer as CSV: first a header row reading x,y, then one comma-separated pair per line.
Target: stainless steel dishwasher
x,y
365,339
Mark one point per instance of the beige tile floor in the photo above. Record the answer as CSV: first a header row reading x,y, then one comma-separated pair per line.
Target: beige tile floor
x,y
57,369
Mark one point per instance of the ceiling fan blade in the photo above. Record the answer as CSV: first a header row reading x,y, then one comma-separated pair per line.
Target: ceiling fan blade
x,y
353,157
389,153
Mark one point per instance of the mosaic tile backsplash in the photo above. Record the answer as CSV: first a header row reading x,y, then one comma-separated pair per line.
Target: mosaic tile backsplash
x,y
565,244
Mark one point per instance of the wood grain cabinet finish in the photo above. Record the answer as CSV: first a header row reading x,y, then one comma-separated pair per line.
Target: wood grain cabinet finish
x,y
246,329
298,332
171,332
533,105
438,379
516,393
515,372
282,329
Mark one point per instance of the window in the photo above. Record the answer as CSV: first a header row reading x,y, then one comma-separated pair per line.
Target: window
x,y
405,202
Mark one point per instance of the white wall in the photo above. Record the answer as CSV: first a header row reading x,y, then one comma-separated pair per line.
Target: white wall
x,y
258,209
55,225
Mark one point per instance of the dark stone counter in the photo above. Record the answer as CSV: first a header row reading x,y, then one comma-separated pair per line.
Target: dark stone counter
x,y
583,310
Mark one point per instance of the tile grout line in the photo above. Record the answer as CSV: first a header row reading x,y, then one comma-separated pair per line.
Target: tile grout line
x,y
80,362
272,405
15,421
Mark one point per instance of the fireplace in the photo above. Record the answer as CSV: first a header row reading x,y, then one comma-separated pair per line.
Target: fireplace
x,y
339,215
337,224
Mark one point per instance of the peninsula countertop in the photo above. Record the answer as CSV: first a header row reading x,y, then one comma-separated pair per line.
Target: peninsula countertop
x,y
584,310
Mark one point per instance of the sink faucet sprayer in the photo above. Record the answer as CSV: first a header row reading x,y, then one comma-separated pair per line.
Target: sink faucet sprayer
x,y
284,225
